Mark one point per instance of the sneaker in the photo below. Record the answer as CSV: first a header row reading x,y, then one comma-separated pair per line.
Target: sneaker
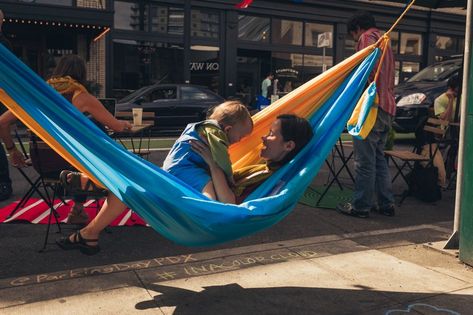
x,y
389,211
5,191
77,215
347,208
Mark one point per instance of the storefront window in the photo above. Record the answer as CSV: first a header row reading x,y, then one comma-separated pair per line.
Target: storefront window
x,y
205,23
315,65
446,42
312,31
252,68
287,69
205,67
397,66
127,15
411,44
167,20
350,45
394,36
409,69
286,32
138,63
253,28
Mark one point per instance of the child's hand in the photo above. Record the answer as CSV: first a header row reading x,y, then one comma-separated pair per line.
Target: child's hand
x,y
204,151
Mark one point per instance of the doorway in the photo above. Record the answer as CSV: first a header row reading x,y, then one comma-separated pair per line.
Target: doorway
x,y
252,68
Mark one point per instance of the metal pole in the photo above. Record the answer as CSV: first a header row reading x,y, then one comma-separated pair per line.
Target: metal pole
x,y
453,241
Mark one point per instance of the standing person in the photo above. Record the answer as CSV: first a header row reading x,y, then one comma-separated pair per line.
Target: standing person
x,y
266,84
5,181
373,190
68,79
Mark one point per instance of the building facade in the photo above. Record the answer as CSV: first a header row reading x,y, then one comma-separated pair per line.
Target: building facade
x,y
212,43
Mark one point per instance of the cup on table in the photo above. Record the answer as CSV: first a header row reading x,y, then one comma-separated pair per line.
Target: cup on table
x,y
137,116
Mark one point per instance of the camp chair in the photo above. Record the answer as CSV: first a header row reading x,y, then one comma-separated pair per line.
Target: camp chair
x,y
35,183
47,164
430,137
338,152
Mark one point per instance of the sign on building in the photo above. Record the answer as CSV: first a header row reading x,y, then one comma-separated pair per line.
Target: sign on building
x,y
324,40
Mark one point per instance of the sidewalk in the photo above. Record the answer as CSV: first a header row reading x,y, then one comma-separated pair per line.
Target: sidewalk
x,y
354,273
316,261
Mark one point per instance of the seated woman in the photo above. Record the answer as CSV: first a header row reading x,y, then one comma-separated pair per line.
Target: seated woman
x,y
287,136
68,78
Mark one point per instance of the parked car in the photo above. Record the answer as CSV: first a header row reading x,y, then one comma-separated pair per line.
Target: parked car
x,y
174,105
415,97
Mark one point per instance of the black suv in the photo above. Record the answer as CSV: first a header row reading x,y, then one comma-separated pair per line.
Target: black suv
x,y
416,96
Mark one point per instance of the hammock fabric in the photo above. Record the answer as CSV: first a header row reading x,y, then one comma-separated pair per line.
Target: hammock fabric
x,y
167,204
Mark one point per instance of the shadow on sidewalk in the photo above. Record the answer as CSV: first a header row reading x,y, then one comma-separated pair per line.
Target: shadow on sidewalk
x,y
234,299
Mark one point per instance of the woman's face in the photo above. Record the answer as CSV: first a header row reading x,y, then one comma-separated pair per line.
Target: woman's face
x,y
274,146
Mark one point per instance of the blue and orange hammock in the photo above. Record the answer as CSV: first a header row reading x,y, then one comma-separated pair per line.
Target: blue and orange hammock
x,y
169,205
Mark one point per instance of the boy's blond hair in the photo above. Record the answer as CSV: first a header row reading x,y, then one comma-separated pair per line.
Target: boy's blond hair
x,y
230,113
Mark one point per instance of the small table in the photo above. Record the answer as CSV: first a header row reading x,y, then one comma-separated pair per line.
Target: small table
x,y
132,135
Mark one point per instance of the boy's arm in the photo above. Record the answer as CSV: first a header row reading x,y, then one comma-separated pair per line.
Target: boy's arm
x,y
218,188
217,142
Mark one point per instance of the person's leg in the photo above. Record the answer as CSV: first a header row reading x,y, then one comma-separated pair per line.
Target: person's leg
x,y
77,215
110,210
383,178
365,166
86,240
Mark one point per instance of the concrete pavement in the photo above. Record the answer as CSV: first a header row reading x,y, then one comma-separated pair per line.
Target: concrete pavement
x,y
356,273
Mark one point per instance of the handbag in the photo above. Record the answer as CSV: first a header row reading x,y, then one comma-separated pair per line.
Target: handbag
x,y
423,183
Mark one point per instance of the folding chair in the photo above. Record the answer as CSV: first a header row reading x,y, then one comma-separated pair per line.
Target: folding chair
x,y
432,135
48,165
337,152
34,184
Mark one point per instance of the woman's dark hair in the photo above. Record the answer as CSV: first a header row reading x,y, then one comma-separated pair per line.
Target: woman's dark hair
x,y
73,66
360,20
297,129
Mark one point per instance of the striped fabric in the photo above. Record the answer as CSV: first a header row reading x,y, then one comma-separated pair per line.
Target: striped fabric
x,y
36,211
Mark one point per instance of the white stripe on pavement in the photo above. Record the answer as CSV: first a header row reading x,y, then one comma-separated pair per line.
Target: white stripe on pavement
x,y
125,218
46,213
23,210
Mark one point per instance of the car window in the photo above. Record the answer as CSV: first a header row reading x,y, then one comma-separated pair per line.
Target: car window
x,y
134,94
437,72
193,93
165,93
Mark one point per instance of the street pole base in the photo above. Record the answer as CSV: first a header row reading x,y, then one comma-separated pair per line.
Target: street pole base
x,y
453,242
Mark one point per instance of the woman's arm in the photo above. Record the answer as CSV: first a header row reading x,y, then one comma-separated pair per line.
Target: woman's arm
x,y
221,189
88,103
16,157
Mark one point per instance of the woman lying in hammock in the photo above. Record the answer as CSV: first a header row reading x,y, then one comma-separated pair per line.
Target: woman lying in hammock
x,y
287,136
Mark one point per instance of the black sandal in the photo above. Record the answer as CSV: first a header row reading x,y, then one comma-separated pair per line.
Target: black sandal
x,y
78,243
73,186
